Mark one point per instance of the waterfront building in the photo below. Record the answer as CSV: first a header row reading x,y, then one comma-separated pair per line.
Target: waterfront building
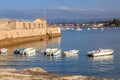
x,y
12,28
7,24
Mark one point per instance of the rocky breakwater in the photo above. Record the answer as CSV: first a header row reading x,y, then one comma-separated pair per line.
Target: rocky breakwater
x,y
37,73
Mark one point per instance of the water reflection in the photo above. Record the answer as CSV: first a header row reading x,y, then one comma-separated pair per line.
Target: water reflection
x,y
11,60
62,57
72,57
54,43
102,58
38,45
102,63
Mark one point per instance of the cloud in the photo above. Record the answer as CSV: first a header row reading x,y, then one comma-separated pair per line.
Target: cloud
x,y
64,8
61,13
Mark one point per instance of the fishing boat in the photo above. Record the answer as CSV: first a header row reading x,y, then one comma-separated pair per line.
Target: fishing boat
x,y
52,52
19,51
29,52
3,50
70,53
57,53
100,52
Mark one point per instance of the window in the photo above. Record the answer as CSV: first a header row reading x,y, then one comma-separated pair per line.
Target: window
x,y
23,25
34,25
38,25
29,26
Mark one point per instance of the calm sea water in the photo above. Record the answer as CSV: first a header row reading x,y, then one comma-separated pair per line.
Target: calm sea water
x,y
84,41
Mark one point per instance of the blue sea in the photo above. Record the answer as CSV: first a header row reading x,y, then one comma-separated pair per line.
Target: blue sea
x,y
84,41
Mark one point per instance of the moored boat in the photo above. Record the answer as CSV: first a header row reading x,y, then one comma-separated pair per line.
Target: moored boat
x,y
78,29
100,52
57,53
29,52
3,50
19,51
102,29
45,39
88,29
70,53
52,52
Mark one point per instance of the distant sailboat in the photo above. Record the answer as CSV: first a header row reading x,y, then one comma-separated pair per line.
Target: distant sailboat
x,y
72,28
94,28
88,29
78,29
102,29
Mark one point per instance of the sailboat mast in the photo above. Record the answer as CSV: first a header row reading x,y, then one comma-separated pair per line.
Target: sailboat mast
x,y
44,13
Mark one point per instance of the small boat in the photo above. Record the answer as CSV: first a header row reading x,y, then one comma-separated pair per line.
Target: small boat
x,y
52,52
57,53
19,51
45,39
100,52
3,50
94,28
70,53
29,52
78,29
88,29
102,29
72,28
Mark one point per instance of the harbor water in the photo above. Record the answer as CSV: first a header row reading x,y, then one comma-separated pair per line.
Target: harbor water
x,y
84,41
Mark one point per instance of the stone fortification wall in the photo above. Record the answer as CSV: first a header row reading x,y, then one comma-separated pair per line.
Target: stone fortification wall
x,y
52,29
18,36
11,24
7,34
20,33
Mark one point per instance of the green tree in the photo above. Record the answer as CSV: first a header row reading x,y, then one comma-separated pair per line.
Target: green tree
x,y
116,22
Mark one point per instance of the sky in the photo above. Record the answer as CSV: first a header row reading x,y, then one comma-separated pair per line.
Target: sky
x,y
60,10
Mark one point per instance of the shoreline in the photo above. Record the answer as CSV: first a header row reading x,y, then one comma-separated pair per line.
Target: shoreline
x,y
37,73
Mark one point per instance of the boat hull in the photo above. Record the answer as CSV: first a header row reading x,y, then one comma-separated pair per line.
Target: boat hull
x,y
70,53
100,53
3,50
52,52
29,52
19,51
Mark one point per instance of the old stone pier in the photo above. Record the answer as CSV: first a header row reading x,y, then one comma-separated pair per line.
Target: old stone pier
x,y
14,32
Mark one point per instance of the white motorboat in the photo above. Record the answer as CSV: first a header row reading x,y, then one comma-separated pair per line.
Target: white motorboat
x,y
94,28
52,52
29,52
3,50
78,29
57,53
19,51
70,53
102,29
88,29
100,52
